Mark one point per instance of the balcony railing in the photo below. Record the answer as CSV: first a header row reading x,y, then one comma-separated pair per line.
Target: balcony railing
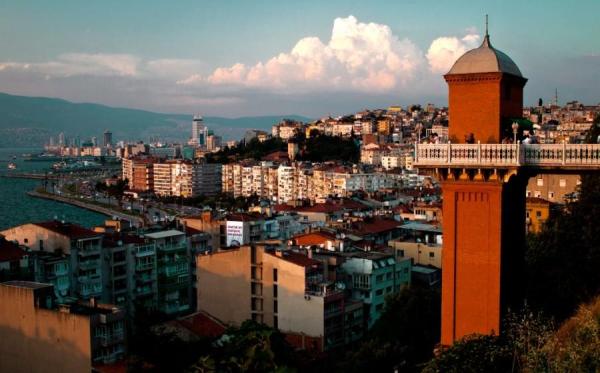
x,y
89,264
577,156
145,250
182,246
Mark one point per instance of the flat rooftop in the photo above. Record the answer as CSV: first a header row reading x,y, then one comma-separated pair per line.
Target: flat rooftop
x,y
164,234
25,284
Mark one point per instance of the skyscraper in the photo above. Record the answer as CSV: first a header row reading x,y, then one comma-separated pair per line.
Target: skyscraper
x,y
199,131
107,139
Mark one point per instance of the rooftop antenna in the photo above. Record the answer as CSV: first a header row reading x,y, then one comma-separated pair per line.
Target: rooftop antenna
x,y
486,38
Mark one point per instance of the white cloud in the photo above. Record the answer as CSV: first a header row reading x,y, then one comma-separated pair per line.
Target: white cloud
x,y
106,64
444,51
365,57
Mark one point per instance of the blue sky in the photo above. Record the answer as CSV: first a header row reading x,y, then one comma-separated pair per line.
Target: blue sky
x,y
236,58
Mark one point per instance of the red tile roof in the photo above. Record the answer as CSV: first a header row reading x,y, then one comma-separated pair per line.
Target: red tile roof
x,y
376,226
10,251
296,258
203,324
313,238
68,229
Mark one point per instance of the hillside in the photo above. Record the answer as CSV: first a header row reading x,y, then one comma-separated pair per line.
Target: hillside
x,y
27,121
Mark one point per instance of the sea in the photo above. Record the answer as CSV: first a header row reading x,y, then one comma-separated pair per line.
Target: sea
x,y
17,208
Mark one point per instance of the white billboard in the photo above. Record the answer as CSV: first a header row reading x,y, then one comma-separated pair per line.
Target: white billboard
x,y
235,233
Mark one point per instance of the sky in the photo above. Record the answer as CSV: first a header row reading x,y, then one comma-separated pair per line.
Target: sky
x,y
313,58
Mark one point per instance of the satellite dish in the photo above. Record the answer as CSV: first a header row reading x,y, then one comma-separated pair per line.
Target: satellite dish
x,y
340,285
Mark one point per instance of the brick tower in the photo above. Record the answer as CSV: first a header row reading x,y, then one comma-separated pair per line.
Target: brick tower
x,y
485,90
484,210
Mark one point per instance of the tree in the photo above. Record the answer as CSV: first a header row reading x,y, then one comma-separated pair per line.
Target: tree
x,y
404,336
562,261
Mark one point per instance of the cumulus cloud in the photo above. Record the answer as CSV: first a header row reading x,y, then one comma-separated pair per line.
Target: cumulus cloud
x,y
359,56
444,51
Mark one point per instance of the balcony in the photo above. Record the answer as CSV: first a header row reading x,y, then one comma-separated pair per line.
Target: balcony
x,y
145,250
182,246
175,269
569,156
111,339
144,266
89,264
145,290
90,291
144,277
170,308
89,279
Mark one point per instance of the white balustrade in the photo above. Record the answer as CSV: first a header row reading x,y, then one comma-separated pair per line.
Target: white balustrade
x,y
498,155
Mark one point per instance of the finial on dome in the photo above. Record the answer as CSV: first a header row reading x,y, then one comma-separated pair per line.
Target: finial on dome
x,y
486,38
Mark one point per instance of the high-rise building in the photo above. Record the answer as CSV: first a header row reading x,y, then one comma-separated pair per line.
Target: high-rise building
x,y
199,131
107,139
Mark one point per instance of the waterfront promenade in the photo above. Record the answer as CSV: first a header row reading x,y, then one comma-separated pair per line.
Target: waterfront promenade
x,y
135,220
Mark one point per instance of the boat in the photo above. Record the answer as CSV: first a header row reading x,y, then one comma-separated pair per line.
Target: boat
x,y
12,165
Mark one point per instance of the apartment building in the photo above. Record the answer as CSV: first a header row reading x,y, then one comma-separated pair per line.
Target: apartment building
x,y
181,178
81,246
139,172
286,184
421,243
283,289
39,335
173,268
553,187
372,276
131,271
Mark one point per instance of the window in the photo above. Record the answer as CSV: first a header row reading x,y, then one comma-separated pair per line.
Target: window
x,y
379,278
431,254
388,289
551,195
274,274
275,291
41,245
540,182
538,214
562,183
275,307
401,253
528,193
388,276
379,307
26,240
538,194
275,322
379,292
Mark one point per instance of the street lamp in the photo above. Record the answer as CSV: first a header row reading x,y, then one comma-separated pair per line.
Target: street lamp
x,y
515,128
418,128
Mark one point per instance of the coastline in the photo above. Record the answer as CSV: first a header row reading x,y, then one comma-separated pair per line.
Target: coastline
x,y
135,220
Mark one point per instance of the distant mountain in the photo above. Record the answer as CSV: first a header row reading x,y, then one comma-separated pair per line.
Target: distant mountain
x,y
29,121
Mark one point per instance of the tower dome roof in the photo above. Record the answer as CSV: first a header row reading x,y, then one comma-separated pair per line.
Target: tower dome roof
x,y
485,59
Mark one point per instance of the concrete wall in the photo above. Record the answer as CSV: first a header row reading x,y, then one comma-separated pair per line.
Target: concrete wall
x,y
420,252
33,234
40,340
224,285
297,313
